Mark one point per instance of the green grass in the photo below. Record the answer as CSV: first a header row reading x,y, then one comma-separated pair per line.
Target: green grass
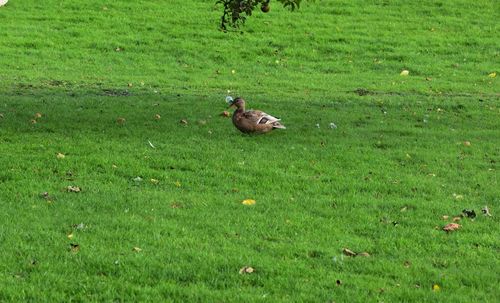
x,y
379,183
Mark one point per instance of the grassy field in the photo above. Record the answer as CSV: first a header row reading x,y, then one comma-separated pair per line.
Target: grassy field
x,y
160,217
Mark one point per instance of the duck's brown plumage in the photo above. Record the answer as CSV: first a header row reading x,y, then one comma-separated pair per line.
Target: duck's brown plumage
x,y
253,121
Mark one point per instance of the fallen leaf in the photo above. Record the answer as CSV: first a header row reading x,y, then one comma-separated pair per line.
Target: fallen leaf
x,y
136,249
130,85
436,287
246,270
451,227
458,197
157,117
120,120
60,156
248,202
74,247
154,181
486,211
33,121
456,219
363,254
469,213
70,236
404,72
467,143
183,122
137,179
38,115
1,116
73,189
492,75
445,217
348,252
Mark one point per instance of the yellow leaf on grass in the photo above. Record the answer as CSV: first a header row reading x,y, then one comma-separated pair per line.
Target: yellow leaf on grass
x,y
248,202
436,287
492,75
404,72
60,156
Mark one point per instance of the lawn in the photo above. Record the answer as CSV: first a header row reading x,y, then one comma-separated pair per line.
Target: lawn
x,y
92,94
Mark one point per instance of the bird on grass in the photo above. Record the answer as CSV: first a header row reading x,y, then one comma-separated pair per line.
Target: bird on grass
x,y
252,121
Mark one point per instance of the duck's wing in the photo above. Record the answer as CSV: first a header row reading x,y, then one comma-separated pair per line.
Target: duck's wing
x,y
259,117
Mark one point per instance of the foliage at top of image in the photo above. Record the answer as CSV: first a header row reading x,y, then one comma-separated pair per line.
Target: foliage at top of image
x,y
236,11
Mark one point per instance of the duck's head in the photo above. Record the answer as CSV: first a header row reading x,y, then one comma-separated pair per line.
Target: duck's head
x,y
238,102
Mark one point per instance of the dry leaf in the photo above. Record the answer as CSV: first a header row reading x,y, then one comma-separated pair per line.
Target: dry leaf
x,y
120,120
157,117
467,143
445,217
183,122
363,254
130,85
248,202
486,211
492,75
451,227
458,197
74,247
33,121
73,189
38,115
246,270
404,72
136,249
348,252
70,236
1,116
60,156
154,181
456,219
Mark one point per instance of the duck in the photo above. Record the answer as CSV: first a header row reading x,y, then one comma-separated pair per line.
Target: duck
x,y
252,121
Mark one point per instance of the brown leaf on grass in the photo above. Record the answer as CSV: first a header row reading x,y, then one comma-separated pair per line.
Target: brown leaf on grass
x,y
120,120
38,115
183,122
157,117
456,219
246,270
73,247
451,227
73,189
348,252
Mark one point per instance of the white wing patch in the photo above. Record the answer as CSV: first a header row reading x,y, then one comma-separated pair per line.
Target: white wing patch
x,y
267,119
